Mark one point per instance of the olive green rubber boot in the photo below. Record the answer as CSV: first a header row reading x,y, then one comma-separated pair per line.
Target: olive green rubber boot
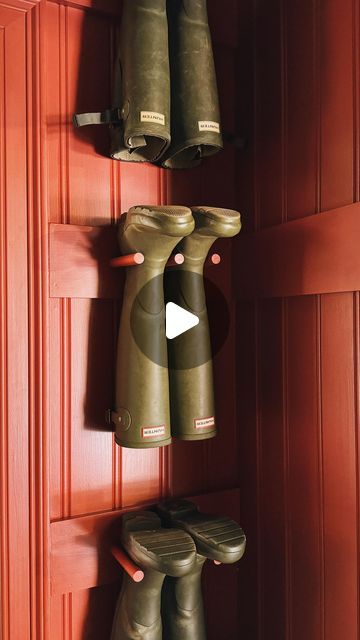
x,y
192,389
195,113
142,83
142,413
158,552
140,113
217,538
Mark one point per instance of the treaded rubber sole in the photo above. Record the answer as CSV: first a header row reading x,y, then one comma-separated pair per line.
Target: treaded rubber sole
x,y
218,538
168,551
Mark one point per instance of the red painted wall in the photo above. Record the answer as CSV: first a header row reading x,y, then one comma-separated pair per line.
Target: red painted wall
x,y
298,354
63,481
287,378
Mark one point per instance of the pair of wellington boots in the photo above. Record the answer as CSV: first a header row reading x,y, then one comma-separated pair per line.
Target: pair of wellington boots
x,y
165,102
145,382
171,548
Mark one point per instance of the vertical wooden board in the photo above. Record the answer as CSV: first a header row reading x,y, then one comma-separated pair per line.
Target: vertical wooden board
x,y
226,74
141,477
217,188
272,516
184,187
86,62
223,21
56,618
221,601
139,184
93,611
91,443
303,482
188,461
101,337
302,108
17,328
269,113
245,120
4,497
225,445
339,466
337,132
55,421
55,119
246,423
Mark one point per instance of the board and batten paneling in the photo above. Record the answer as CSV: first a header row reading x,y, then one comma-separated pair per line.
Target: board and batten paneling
x,y
298,360
58,460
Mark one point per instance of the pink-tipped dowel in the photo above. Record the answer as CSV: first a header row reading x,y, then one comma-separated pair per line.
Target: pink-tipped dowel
x,y
128,261
215,259
131,569
175,260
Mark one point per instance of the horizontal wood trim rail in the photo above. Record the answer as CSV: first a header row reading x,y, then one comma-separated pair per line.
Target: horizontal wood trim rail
x,y
316,254
79,258
79,262
81,555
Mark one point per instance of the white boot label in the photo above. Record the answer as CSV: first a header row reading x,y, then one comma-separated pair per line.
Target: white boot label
x,y
178,320
207,125
152,116
153,432
204,423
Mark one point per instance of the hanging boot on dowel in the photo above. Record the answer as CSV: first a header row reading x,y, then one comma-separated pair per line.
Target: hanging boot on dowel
x,y
216,538
195,113
142,412
190,357
140,117
158,552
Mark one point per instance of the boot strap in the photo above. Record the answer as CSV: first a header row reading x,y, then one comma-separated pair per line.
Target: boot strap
x,y
110,116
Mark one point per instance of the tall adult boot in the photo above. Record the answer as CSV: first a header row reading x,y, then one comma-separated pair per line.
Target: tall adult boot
x,y
140,116
158,552
190,357
195,113
217,538
142,413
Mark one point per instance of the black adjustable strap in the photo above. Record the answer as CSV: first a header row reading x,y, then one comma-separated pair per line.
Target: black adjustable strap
x,y
110,116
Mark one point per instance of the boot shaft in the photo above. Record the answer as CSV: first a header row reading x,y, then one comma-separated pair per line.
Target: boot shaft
x,y
182,606
142,83
191,388
195,111
142,415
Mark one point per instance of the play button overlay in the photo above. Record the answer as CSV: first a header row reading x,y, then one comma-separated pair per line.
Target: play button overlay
x,y
178,320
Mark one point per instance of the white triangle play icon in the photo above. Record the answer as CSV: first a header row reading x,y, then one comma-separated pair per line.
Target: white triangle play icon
x,y
178,320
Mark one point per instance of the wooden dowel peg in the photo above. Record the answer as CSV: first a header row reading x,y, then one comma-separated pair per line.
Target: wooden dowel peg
x,y
135,573
214,259
128,261
175,260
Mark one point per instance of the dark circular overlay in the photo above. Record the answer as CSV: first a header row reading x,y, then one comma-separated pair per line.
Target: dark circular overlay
x,y
194,293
